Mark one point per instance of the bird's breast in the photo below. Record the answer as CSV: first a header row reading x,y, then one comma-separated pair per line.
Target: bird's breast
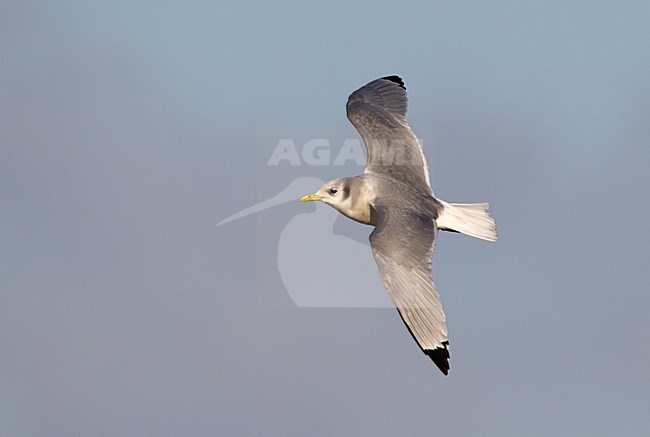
x,y
359,212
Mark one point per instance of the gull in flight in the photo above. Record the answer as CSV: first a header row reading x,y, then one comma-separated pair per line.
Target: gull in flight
x,y
394,195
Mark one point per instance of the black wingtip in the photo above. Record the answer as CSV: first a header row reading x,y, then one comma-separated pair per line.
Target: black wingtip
x,y
398,80
440,356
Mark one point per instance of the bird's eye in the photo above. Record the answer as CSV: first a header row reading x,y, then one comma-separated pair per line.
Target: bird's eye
x,y
333,190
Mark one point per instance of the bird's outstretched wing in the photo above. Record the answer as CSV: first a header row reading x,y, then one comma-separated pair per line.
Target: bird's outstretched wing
x,y
402,243
378,111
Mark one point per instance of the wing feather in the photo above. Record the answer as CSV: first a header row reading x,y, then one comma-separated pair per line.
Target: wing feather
x,y
402,244
378,111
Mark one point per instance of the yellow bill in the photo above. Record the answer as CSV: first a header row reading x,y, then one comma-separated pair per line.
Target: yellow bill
x,y
310,198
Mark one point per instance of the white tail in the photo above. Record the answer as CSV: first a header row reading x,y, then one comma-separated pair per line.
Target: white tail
x,y
469,219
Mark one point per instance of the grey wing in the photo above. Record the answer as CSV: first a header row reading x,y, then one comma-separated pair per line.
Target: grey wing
x,y
378,111
402,243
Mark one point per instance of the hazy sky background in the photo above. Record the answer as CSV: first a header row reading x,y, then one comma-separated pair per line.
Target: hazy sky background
x,y
128,129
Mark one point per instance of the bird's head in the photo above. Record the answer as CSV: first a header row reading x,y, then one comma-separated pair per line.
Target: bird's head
x,y
335,193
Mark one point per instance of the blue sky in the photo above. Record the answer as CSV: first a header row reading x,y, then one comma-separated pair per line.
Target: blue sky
x,y
129,129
